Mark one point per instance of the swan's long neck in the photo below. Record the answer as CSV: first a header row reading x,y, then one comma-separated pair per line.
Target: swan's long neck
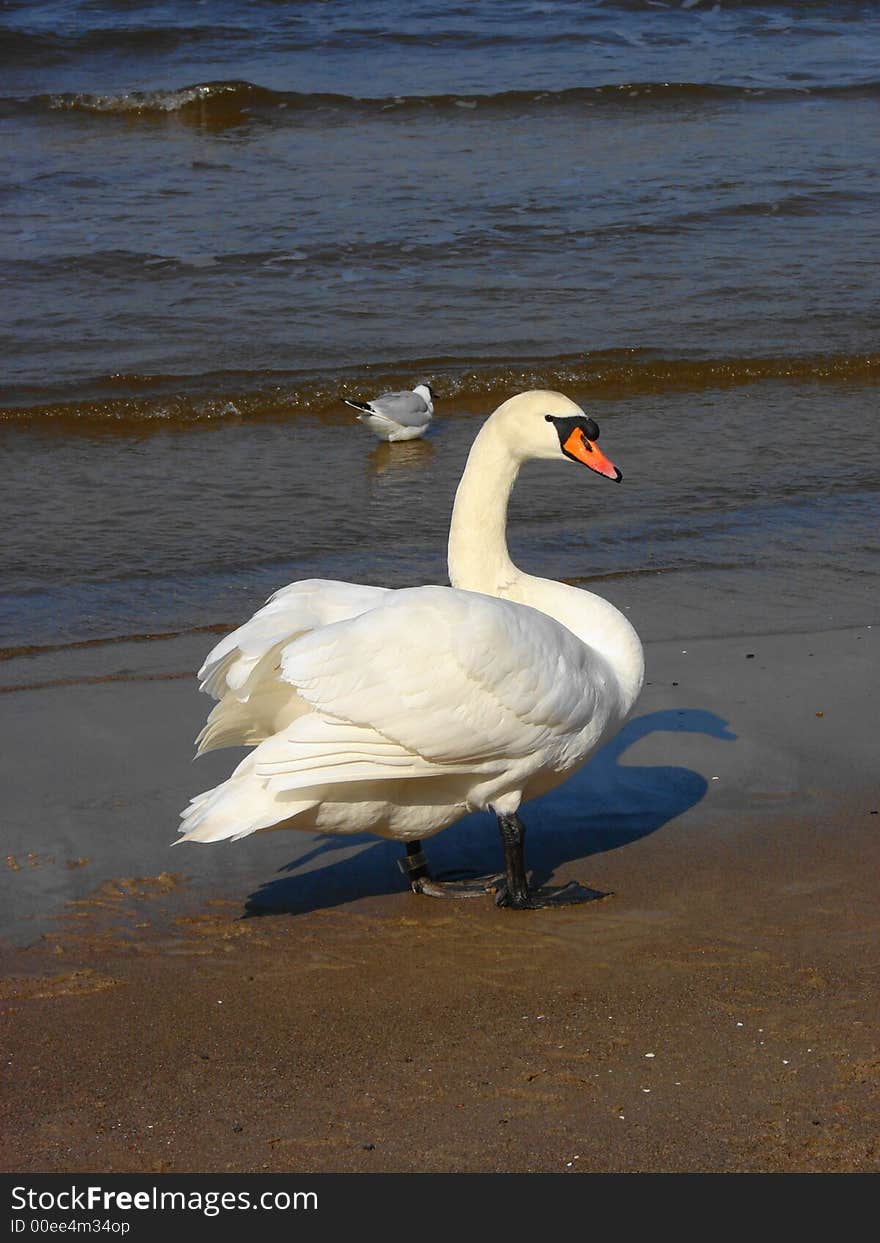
x,y
478,557
479,561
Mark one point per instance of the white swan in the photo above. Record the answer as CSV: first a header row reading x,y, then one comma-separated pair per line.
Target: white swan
x,y
397,712
397,416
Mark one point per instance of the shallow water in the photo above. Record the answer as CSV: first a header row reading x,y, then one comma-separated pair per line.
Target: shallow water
x,y
747,509
221,218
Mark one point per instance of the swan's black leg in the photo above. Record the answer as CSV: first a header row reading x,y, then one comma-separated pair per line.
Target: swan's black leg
x,y
415,869
415,865
515,891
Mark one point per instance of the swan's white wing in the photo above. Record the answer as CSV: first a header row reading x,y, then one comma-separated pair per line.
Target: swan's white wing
x,y
242,671
450,678
469,693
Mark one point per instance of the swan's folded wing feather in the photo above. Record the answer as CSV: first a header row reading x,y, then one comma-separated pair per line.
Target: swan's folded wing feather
x,y
242,669
317,751
452,676
291,611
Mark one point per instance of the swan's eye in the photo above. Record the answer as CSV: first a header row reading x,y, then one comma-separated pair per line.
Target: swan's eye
x,y
565,427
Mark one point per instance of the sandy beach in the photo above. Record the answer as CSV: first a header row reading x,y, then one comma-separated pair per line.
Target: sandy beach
x,y
285,1004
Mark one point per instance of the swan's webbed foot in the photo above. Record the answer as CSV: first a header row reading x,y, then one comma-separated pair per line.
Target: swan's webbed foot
x,y
450,885
511,888
548,895
514,891
460,887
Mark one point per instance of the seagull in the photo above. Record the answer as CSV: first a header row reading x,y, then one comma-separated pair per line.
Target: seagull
x,y
397,416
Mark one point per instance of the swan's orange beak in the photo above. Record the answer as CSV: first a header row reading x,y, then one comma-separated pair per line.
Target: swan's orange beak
x,y
580,449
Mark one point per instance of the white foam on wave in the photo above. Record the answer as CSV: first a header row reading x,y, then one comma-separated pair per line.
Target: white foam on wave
x,y
152,101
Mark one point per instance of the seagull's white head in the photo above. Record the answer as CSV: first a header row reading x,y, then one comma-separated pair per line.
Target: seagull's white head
x,y
542,424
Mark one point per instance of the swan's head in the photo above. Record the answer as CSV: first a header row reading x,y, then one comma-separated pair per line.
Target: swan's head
x,y
542,424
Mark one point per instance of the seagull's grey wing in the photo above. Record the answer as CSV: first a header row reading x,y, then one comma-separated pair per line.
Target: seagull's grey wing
x,y
407,409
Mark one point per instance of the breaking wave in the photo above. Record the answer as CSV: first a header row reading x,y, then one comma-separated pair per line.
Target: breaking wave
x,y
139,403
227,102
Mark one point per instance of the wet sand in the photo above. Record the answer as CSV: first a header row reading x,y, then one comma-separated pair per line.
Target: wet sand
x,y
213,1009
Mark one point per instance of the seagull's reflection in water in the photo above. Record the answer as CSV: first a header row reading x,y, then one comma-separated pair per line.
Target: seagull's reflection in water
x,y
387,462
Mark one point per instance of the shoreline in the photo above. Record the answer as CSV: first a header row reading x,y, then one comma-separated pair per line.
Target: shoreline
x,y
100,762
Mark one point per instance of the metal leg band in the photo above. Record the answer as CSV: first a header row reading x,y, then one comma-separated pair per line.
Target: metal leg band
x,y
413,865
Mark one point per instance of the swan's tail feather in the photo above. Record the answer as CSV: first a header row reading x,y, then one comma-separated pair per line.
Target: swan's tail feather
x,y
235,809
298,768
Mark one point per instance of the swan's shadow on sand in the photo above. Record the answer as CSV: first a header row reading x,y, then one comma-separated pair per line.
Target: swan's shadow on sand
x,y
606,805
